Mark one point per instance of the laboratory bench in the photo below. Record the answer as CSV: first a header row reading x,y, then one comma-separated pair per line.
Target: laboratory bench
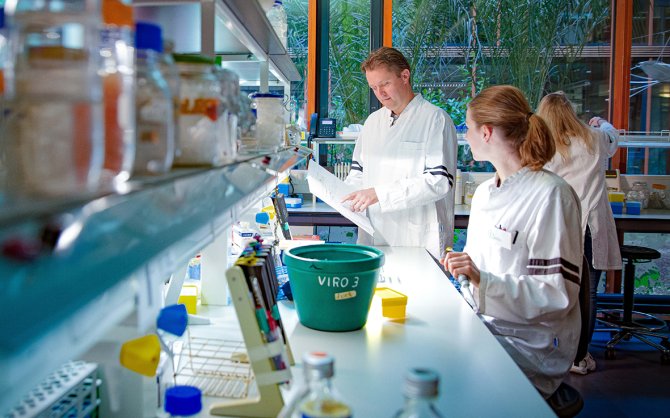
x,y
441,331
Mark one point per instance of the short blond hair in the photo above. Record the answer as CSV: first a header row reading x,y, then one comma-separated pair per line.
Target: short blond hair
x,y
386,56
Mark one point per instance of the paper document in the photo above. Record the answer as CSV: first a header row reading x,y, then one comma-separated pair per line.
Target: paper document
x,y
331,190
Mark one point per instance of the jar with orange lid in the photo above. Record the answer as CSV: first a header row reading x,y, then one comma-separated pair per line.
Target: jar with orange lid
x,y
118,83
55,114
200,136
658,198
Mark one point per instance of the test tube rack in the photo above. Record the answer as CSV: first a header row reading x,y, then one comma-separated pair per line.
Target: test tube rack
x,y
269,401
71,391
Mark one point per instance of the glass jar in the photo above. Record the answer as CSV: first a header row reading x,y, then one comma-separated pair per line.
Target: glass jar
x,y
155,129
55,117
639,193
657,198
469,191
269,121
118,85
200,139
168,67
230,92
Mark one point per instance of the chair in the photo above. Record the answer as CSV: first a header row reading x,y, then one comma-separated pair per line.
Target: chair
x,y
566,401
623,319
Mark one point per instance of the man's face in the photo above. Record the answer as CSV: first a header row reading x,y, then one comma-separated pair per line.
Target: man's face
x,y
390,88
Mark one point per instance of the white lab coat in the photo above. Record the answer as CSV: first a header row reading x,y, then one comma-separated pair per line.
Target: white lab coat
x,y
525,238
412,167
585,172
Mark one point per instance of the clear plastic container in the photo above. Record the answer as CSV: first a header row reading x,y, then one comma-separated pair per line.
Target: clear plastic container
x,y
200,137
658,197
420,390
55,118
270,124
118,60
155,127
278,19
230,93
168,67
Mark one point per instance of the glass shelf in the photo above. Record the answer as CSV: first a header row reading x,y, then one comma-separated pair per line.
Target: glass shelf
x,y
59,257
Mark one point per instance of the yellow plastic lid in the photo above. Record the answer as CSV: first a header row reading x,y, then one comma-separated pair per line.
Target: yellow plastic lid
x,y
141,355
390,297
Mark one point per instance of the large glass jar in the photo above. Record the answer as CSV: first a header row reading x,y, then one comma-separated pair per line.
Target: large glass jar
x,y
269,121
200,137
639,193
55,117
155,128
658,198
118,84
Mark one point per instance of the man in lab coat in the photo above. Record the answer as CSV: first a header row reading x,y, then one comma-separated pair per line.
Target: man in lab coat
x,y
404,162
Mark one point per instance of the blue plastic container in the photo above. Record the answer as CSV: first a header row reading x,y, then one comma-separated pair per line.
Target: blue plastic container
x,y
633,208
617,207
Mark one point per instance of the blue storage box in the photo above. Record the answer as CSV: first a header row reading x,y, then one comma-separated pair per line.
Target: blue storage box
x,y
633,208
617,207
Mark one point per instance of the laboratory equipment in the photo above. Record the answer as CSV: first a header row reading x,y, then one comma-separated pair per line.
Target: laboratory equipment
x,y
420,390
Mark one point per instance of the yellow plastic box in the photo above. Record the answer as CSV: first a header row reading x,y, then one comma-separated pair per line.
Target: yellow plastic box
x,y
394,303
616,196
189,297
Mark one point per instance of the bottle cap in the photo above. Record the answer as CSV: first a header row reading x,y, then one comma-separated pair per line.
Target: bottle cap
x,y
658,186
421,383
148,36
2,17
319,363
114,12
183,400
173,319
194,59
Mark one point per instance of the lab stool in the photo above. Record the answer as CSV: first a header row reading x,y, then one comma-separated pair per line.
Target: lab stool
x,y
622,319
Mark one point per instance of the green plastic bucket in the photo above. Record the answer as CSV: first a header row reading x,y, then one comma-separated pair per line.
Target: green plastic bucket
x,y
333,284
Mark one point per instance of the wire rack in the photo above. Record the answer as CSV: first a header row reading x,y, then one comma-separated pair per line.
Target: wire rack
x,y
217,367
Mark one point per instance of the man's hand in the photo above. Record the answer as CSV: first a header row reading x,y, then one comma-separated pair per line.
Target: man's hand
x,y
360,200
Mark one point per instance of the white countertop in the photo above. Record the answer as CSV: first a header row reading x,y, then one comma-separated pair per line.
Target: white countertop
x,y
478,378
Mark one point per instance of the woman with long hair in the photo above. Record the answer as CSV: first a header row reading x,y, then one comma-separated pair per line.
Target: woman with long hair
x,y
524,245
581,159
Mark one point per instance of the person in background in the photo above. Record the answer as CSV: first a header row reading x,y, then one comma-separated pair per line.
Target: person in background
x,y
523,252
404,162
581,159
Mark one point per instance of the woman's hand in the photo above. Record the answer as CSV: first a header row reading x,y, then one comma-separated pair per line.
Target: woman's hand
x,y
461,263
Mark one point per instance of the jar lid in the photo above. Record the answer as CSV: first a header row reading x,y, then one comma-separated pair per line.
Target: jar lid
x,y
148,36
261,95
116,13
183,400
193,59
658,186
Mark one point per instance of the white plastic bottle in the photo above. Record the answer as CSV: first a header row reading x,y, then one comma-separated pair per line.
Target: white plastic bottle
x,y
277,17
420,390
319,399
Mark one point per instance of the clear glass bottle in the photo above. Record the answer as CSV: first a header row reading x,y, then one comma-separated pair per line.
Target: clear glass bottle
x,y
320,400
155,128
278,19
639,193
420,390
118,83
200,108
55,118
270,126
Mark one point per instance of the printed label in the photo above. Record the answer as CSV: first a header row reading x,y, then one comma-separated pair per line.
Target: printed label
x,y
203,106
345,295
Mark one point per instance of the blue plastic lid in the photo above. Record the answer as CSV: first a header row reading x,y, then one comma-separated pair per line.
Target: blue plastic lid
x,y
148,36
276,96
2,17
262,218
173,319
183,400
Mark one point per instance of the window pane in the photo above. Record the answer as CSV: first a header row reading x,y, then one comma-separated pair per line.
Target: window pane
x,y
348,47
296,12
458,48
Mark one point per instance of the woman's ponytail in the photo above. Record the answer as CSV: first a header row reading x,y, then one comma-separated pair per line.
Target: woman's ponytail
x,y
538,147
